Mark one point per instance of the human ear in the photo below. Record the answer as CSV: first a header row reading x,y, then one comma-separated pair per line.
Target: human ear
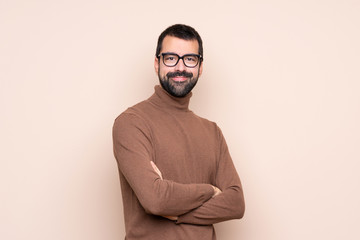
x,y
201,68
156,65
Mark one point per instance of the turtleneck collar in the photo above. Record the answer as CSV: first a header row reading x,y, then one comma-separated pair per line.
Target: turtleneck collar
x,y
163,99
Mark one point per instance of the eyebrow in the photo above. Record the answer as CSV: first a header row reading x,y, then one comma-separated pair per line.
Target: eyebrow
x,y
179,55
169,53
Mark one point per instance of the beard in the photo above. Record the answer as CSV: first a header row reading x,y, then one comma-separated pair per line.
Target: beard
x,y
178,89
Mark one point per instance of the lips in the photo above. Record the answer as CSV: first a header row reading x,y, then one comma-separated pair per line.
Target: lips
x,y
179,79
179,76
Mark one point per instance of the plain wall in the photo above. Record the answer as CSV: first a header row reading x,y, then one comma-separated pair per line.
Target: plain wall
x,y
281,79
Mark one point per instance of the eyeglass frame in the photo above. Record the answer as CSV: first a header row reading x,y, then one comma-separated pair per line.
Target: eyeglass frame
x,y
182,57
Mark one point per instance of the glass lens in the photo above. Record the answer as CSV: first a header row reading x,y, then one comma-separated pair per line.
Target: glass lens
x,y
170,59
191,60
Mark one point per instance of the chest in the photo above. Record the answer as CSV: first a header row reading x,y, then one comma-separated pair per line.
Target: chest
x,y
185,149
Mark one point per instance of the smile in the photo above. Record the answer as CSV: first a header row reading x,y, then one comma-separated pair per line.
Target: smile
x,y
179,79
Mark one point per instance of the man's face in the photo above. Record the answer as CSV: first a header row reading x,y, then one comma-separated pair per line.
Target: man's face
x,y
178,80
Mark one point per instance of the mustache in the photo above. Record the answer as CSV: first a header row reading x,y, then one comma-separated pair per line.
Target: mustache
x,y
179,74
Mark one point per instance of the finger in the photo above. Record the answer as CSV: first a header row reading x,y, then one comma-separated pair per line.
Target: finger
x,y
173,218
156,169
217,191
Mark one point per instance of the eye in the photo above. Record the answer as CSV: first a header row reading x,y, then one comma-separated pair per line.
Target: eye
x,y
170,58
190,59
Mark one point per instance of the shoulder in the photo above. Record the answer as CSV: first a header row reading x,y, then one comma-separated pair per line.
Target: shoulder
x,y
209,124
133,117
136,111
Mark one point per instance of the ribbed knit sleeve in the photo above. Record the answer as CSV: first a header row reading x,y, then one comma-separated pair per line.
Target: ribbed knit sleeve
x,y
227,205
133,151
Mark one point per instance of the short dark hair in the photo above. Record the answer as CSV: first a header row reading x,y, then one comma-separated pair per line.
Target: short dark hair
x,y
180,31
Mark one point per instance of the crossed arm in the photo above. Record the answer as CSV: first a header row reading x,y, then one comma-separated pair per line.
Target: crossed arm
x,y
185,203
217,191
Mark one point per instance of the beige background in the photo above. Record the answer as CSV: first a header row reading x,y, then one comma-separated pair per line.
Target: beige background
x,y
281,78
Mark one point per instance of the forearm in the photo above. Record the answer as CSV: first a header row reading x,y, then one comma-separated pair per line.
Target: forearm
x,y
225,206
158,196
173,199
174,217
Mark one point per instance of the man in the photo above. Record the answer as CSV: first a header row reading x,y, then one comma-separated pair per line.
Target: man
x,y
177,177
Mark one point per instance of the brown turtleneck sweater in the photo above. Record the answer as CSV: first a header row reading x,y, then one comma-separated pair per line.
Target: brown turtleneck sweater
x,y
191,154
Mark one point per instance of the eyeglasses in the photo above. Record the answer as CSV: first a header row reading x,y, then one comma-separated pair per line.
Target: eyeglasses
x,y
189,60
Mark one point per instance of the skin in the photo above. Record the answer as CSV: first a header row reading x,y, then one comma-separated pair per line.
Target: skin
x,y
181,47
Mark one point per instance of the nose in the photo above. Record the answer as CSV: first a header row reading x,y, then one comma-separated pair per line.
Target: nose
x,y
180,66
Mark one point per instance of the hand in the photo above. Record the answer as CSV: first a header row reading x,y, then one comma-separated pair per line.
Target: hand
x,y
156,169
217,191
172,218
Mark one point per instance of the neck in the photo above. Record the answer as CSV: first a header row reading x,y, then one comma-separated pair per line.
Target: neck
x,y
164,100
